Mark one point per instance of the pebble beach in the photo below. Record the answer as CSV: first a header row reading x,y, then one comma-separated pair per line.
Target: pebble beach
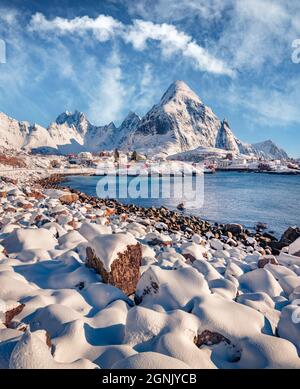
x,y
91,283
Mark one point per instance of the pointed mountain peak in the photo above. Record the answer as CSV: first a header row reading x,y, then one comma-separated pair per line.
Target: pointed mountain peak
x,y
269,149
179,90
71,118
111,125
131,115
225,123
131,119
267,142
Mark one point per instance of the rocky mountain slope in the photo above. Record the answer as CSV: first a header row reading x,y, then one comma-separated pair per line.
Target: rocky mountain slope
x,y
269,149
179,122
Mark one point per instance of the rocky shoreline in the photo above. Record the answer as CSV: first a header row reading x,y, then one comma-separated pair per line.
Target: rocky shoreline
x,y
174,221
90,283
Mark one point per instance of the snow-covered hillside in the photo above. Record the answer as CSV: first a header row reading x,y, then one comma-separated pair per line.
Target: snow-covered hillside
x,y
269,149
180,122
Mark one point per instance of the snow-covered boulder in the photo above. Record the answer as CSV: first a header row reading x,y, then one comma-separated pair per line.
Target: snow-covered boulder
x,y
117,258
91,230
193,251
28,239
150,360
68,198
294,248
157,238
32,353
171,289
289,324
260,280
216,244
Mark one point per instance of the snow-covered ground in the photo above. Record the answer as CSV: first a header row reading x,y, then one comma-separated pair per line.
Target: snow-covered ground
x,y
200,302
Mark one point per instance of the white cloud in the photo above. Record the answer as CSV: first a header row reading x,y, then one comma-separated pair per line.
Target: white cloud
x,y
177,10
251,33
170,39
148,89
259,32
103,27
255,34
8,15
271,107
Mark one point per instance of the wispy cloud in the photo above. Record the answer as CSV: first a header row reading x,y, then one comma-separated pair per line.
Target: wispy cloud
x,y
260,33
106,101
251,33
177,10
271,107
103,28
172,41
106,65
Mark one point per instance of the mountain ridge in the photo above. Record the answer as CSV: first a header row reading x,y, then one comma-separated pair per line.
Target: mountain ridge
x,y
179,122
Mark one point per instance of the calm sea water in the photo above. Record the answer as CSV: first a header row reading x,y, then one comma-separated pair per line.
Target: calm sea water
x,y
245,198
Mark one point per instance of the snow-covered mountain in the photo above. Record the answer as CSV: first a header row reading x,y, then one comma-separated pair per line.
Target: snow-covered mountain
x,y
73,132
70,133
226,139
125,132
180,122
269,150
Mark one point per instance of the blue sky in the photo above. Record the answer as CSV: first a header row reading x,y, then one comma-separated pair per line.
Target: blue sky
x,y
108,57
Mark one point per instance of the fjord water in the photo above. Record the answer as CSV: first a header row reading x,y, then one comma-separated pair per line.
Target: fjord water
x,y
229,197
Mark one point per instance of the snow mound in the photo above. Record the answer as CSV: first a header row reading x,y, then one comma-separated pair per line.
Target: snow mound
x,y
32,353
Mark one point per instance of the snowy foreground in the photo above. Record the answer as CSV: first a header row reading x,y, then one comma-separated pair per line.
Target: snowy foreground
x,y
198,303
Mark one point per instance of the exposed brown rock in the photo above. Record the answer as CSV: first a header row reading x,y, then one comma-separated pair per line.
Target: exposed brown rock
x,y
73,223
209,338
4,252
62,212
124,216
189,257
110,211
36,195
159,242
8,180
290,235
229,234
125,270
10,209
55,164
262,251
69,198
267,259
153,288
12,161
91,217
235,229
24,205
48,340
9,315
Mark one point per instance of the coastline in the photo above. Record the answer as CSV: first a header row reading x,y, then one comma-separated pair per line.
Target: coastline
x,y
33,176
173,219
77,270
